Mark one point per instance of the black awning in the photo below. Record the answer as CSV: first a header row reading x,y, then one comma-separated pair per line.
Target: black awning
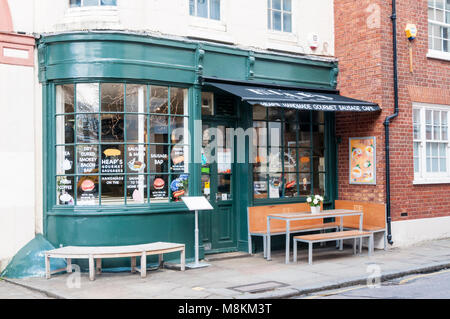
x,y
300,99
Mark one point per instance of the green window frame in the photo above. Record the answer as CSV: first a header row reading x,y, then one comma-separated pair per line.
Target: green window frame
x,y
128,162
303,164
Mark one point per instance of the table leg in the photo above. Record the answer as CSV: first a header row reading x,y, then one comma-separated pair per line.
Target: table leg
x,y
183,260
98,267
360,229
91,268
268,239
288,235
133,265
69,265
143,265
341,242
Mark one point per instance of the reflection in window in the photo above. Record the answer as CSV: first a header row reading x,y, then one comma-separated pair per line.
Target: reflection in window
x,y
279,15
120,144
289,153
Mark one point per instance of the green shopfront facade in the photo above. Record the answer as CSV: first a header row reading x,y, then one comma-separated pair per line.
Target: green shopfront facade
x,y
125,122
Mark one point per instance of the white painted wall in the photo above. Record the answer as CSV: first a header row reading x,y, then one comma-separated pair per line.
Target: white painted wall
x,y
410,232
17,159
243,22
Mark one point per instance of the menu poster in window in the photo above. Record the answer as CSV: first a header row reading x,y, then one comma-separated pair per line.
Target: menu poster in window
x,y
274,187
224,161
177,156
87,159
362,160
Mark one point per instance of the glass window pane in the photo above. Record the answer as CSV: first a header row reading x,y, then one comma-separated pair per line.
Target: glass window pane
x,y
305,184
275,160
439,15
65,99
275,185
87,97
108,2
179,187
224,187
179,156
65,190
113,159
434,149
112,97
136,159
88,3
269,20
287,5
443,165
136,189
65,156
319,184
290,186
215,9
113,190
304,160
275,134
65,129
276,4
159,188
75,3
287,22
202,8
87,159
276,20
439,4
112,128
435,165
437,44
259,112
207,103
159,159
87,191
192,7
442,150
159,129
136,98
159,100
178,103
136,128
87,128
260,186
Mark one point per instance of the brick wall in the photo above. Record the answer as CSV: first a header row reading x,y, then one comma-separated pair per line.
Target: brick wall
x,y
363,32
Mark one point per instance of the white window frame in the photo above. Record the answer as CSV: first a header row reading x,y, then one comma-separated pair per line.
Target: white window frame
x,y
422,176
208,10
282,11
433,53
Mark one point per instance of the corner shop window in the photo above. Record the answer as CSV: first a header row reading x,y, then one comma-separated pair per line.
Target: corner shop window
x,y
92,3
290,153
120,144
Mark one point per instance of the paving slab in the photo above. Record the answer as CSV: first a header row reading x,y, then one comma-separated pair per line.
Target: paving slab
x,y
331,268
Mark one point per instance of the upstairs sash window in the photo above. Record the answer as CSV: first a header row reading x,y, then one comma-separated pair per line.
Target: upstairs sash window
x,y
209,9
279,15
439,25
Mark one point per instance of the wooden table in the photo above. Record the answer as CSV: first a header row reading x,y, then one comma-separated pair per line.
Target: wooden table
x,y
288,217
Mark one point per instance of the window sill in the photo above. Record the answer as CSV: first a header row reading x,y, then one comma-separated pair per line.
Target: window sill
x,y
439,55
431,181
106,17
207,24
285,37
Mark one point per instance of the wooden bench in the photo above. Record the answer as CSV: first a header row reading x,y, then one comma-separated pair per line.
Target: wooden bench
x,y
98,253
374,217
257,222
341,235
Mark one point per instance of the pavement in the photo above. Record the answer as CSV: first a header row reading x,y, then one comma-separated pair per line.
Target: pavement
x,y
251,277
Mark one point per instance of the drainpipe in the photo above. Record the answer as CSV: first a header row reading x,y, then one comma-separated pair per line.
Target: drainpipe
x,y
387,123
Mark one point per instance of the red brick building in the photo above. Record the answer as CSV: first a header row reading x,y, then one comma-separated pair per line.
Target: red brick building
x,y
418,137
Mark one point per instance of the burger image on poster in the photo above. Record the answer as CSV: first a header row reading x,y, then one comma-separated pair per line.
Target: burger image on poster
x,y
159,184
88,185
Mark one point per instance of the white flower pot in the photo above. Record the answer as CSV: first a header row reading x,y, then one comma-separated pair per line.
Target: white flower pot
x,y
315,210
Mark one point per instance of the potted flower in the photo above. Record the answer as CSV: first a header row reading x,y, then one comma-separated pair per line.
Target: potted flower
x,y
314,202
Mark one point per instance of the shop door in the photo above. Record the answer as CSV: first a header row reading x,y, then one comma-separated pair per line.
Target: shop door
x,y
219,225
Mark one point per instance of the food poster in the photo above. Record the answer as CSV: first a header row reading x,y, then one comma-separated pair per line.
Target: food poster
x,y
112,163
159,188
363,160
136,184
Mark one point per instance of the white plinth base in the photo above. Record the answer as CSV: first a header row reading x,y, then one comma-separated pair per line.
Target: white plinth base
x,y
197,265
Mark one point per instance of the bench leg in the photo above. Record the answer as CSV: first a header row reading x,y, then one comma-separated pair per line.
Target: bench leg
x,y
91,268
385,240
143,265
47,267
310,249
69,265
360,245
183,260
354,246
133,265
98,268
371,244
161,261
250,244
295,251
